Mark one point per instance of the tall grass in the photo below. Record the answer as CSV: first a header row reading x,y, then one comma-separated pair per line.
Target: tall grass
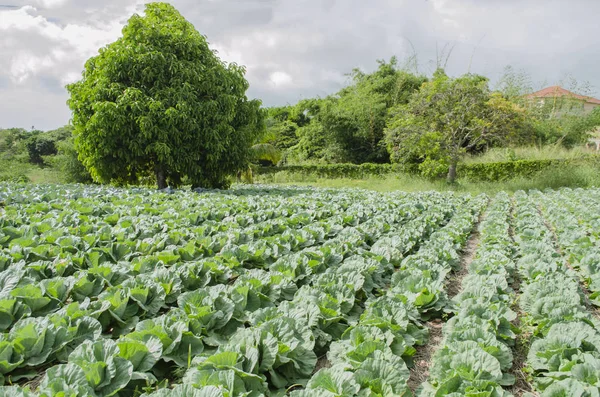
x,y
17,171
548,152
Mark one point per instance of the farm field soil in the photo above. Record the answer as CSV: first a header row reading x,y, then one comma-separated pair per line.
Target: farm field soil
x,y
273,291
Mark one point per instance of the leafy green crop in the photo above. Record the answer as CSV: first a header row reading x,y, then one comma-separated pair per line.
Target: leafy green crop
x,y
303,292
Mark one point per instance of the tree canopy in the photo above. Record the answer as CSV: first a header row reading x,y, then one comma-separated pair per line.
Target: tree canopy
x,y
447,118
159,101
347,126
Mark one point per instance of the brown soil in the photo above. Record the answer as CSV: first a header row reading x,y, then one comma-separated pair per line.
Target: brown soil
x,y
453,283
523,341
422,358
34,383
520,350
322,362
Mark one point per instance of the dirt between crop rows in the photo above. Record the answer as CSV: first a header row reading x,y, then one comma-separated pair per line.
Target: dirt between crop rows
x,y
422,358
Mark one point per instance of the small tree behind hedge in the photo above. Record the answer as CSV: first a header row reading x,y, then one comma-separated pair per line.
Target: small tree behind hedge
x,y
159,101
447,118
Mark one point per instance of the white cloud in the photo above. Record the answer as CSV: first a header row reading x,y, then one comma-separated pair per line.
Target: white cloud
x,y
281,79
299,49
70,77
26,64
51,3
51,46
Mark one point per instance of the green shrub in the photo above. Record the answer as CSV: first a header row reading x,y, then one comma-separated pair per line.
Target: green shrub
x,y
475,172
13,171
506,170
67,162
355,171
39,146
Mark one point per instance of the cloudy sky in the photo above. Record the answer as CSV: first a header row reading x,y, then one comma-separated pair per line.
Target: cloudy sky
x,y
295,49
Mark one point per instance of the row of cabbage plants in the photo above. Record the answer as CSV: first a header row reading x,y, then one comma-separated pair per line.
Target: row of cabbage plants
x,y
109,230
320,312
371,357
564,356
205,315
35,285
44,285
475,356
569,213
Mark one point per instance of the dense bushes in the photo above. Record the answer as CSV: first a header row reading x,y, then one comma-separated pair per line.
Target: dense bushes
x,y
356,171
39,146
68,163
27,156
345,127
13,171
502,171
479,172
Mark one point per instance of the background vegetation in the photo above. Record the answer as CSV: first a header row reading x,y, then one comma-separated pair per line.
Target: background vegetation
x,y
37,156
169,112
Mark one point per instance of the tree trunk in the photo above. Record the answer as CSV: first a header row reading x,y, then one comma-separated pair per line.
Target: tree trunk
x,y
452,172
161,180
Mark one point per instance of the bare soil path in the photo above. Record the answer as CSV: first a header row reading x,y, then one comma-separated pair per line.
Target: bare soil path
x,y
422,358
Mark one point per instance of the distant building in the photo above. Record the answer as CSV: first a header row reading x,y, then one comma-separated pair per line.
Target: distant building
x,y
565,101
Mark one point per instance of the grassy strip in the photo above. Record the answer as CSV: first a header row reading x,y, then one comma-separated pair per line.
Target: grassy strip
x,y
572,176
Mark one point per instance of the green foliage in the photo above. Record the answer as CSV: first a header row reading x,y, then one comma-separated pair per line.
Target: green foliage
x,y
355,117
67,161
282,124
12,141
550,152
39,146
265,152
503,171
498,171
347,126
446,119
159,100
37,156
568,130
14,171
312,144
334,170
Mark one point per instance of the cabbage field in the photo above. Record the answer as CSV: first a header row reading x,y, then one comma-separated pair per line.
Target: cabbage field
x,y
264,291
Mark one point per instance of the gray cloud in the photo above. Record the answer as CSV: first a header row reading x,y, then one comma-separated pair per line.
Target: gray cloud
x,y
298,49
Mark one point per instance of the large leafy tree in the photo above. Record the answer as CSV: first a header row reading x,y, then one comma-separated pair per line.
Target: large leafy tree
x,y
447,118
159,101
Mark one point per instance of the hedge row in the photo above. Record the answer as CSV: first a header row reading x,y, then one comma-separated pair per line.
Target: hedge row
x,y
354,171
502,171
479,172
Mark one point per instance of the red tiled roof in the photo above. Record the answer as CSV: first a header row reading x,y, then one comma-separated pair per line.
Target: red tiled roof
x,y
556,91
